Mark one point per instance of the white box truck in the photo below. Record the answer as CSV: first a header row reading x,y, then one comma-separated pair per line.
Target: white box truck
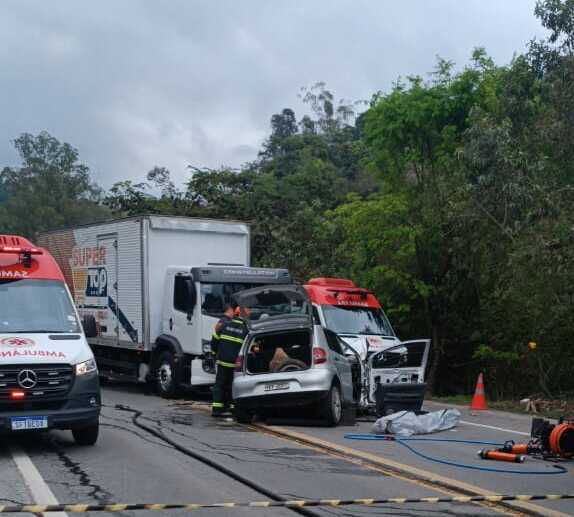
x,y
156,286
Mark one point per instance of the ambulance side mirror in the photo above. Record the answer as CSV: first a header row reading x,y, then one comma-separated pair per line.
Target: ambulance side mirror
x,y
89,325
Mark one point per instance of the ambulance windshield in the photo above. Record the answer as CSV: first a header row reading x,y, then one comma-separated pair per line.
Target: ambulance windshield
x,y
357,320
30,306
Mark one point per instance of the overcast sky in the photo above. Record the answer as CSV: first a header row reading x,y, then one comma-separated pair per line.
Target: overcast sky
x,y
133,84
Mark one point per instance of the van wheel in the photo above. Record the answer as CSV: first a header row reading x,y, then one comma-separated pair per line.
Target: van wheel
x,y
333,406
166,381
242,415
86,435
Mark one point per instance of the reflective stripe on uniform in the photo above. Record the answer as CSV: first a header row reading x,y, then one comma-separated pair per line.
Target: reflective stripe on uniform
x,y
228,365
217,404
231,338
235,320
216,335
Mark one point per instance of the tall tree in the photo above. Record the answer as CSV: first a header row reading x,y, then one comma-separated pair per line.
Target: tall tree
x,y
50,189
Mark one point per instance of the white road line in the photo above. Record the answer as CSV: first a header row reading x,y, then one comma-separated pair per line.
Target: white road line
x,y
495,428
40,490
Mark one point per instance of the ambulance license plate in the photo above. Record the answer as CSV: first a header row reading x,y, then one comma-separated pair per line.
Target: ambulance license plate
x,y
23,423
276,386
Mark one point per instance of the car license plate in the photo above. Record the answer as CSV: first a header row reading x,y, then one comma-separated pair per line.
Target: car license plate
x,y
276,386
29,422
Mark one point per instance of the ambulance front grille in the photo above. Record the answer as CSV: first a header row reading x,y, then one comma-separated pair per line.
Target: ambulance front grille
x,y
39,382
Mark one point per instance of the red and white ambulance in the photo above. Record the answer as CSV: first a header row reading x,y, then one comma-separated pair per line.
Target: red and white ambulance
x,y
388,374
48,376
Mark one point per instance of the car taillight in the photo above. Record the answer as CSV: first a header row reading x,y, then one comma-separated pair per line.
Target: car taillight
x,y
239,363
319,356
17,395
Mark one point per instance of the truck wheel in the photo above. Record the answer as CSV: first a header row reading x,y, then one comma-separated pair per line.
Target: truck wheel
x,y
333,406
166,381
87,435
242,415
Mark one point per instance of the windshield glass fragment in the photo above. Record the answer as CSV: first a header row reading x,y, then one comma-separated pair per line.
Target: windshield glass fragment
x,y
357,320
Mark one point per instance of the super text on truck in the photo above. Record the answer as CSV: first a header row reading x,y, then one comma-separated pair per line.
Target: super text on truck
x,y
48,376
388,374
156,286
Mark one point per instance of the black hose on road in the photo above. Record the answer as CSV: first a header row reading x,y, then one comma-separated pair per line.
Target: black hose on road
x,y
211,463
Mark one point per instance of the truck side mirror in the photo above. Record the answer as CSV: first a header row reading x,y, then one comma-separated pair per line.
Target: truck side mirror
x,y
191,298
89,326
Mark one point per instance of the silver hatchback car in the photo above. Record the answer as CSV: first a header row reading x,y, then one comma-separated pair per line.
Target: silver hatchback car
x,y
286,359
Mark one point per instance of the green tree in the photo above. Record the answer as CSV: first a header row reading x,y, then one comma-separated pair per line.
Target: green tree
x,y
413,134
50,189
157,195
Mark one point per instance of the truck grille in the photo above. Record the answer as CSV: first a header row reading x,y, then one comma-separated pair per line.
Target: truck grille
x,y
40,382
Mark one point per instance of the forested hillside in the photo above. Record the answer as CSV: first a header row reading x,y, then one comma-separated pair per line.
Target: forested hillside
x,y
450,196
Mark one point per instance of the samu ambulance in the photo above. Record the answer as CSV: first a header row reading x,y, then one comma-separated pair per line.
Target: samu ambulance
x,y
48,376
388,374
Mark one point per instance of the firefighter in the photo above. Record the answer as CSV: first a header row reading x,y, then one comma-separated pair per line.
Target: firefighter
x,y
226,318
229,342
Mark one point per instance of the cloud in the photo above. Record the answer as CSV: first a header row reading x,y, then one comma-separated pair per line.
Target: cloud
x,y
137,83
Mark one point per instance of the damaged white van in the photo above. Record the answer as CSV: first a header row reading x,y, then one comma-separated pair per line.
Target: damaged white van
x,y
48,376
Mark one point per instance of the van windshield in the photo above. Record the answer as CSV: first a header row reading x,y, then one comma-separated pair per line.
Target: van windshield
x,y
28,306
357,320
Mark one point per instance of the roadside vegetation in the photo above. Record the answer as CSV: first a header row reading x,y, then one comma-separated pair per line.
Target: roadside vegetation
x,y
450,196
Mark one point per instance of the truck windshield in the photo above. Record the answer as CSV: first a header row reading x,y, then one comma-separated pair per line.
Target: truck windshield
x,y
28,306
357,320
215,296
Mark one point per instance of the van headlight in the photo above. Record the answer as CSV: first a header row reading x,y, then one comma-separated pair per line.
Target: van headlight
x,y
88,366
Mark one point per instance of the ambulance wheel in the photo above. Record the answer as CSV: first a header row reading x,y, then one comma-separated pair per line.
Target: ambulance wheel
x,y
86,435
166,381
333,406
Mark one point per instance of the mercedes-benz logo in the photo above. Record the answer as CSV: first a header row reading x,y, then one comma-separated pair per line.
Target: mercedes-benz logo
x,y
27,379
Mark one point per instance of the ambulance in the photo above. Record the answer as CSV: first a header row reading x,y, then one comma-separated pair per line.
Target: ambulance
x,y
388,374
48,375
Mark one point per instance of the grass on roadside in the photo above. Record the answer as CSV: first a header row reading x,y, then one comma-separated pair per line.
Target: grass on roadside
x,y
549,409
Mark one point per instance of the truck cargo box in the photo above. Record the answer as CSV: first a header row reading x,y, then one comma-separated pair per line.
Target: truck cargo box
x,y
156,284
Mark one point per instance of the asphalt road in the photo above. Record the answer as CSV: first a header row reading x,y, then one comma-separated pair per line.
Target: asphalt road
x,y
130,465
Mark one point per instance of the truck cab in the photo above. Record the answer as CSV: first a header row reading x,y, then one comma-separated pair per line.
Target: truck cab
x,y
194,300
383,365
48,375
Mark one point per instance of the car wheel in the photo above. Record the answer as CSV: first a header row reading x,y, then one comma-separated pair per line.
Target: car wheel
x,y
166,381
333,406
242,415
290,365
87,435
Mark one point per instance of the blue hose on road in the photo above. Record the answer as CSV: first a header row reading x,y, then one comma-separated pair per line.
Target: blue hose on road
x,y
559,469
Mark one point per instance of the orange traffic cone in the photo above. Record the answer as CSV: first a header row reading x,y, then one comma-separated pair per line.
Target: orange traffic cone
x,y
479,400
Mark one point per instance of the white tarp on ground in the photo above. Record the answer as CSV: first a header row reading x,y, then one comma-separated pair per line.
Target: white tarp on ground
x,y
406,423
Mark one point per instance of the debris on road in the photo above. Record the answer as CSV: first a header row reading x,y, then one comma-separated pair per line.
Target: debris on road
x,y
407,423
